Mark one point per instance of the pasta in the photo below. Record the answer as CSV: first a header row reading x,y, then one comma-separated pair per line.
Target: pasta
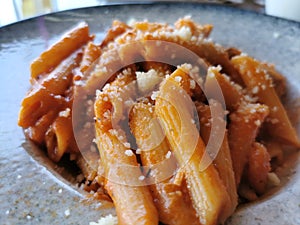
x,y
171,206
169,126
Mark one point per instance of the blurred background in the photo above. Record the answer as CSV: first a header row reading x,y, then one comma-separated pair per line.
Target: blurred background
x,y
14,10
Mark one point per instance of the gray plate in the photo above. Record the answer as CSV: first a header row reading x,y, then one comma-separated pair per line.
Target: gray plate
x,y
30,184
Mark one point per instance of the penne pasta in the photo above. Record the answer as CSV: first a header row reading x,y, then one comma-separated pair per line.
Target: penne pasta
x,y
38,131
172,207
90,54
59,138
206,189
116,30
259,83
114,154
52,57
258,167
48,93
231,92
275,151
222,162
242,131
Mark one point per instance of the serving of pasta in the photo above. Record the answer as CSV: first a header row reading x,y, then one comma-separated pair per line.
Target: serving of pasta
x,y
168,125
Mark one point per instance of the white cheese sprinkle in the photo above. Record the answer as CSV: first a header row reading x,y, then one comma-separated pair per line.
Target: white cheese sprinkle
x,y
178,79
107,220
129,152
192,84
65,113
184,33
147,81
154,95
67,213
273,179
255,90
257,122
98,93
276,35
168,155
141,177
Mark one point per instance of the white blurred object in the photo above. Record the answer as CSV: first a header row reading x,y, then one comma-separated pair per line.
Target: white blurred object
x,y
289,9
7,12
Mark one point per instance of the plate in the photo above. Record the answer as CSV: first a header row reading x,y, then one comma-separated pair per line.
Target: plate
x,y
32,189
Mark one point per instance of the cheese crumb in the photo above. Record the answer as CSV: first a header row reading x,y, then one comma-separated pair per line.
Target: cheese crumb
x,y
146,81
129,152
154,95
178,79
168,155
141,177
257,122
67,213
60,191
65,113
255,90
107,220
184,33
192,84
276,35
273,179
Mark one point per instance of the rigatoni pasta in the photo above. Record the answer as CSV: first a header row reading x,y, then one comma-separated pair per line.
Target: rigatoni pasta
x,y
136,113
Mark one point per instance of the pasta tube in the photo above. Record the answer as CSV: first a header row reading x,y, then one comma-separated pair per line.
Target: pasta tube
x,y
231,91
242,131
52,57
172,207
222,162
258,167
260,84
90,54
134,204
206,189
59,138
48,94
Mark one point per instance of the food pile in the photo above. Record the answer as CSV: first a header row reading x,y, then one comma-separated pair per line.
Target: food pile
x,y
167,124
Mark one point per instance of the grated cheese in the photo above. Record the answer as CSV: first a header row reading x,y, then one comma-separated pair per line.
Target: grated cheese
x,y
67,213
192,84
178,79
154,95
146,81
257,122
184,33
129,152
65,113
141,177
168,155
255,90
273,179
107,220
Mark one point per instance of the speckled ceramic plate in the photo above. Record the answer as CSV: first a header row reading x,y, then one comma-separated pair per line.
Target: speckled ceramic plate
x,y
32,189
